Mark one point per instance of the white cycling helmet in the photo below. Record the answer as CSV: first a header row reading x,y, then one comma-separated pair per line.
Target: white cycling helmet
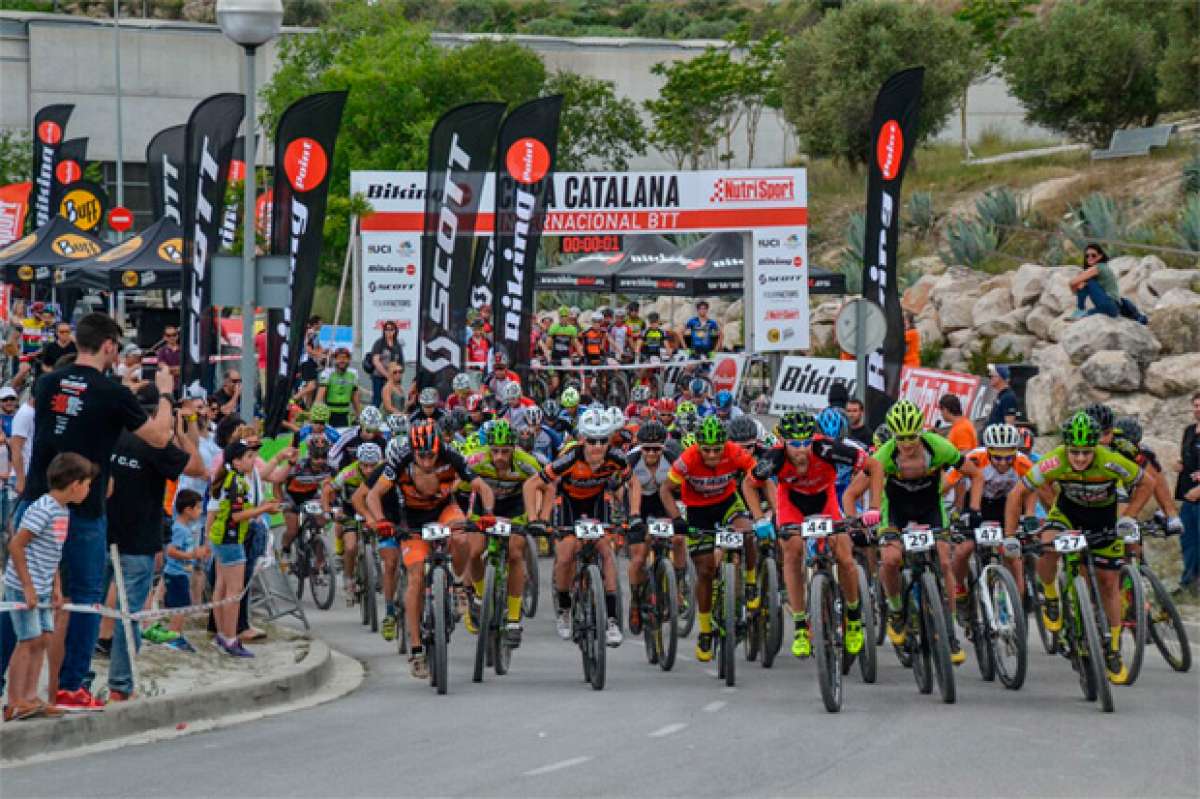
x,y
461,382
370,419
534,417
1001,436
616,418
396,450
594,423
428,396
398,424
369,454
509,391
639,393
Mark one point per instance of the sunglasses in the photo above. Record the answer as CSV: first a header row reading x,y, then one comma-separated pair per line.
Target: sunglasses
x,y
170,335
908,439
597,442
652,448
712,450
799,442
1001,458
238,380
1079,452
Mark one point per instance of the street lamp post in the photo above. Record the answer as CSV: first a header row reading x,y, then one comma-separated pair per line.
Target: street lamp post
x,y
248,24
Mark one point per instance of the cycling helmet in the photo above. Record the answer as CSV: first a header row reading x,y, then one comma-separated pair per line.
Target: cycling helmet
x,y
501,435
424,437
370,420
458,418
500,358
508,391
448,425
712,432
1103,415
396,448
475,403
1129,428
687,422
688,440
564,310
397,423
697,386
686,408
594,423
652,433
666,406
1001,436
461,382
743,429
1081,430
833,423
569,398
724,399
534,417
797,426
639,393
574,312
653,317
551,408
428,396
318,448
882,435
319,413
647,411
619,313
370,454
616,418
905,418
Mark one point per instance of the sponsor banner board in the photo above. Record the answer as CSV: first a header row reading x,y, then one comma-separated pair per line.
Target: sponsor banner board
x,y
925,387
803,383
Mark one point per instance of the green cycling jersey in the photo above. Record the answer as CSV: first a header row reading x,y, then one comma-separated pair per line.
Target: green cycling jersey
x,y
561,337
916,498
504,484
348,480
339,388
1098,486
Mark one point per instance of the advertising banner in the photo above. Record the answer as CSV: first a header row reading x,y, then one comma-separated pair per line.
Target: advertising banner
x,y
84,204
69,163
803,383
211,130
304,144
893,136
14,206
391,287
460,152
925,387
525,156
49,130
165,158
233,204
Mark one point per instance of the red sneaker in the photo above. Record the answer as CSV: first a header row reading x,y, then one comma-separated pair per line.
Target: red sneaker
x,y
78,701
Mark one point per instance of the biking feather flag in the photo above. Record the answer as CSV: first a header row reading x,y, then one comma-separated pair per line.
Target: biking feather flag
x,y
525,158
69,163
165,158
49,131
211,130
893,135
304,143
460,153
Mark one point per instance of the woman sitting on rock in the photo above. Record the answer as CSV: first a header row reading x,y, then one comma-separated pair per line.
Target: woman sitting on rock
x,y
1098,283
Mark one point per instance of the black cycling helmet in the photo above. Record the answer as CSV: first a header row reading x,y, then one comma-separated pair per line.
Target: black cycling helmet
x,y
652,432
742,429
1129,428
1103,415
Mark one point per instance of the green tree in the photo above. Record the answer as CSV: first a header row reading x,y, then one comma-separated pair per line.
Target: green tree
x,y
833,70
16,156
1179,69
597,127
697,109
757,81
989,22
1085,71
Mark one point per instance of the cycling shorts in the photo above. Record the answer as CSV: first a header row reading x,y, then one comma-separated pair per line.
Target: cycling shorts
x,y
709,517
573,509
793,507
414,549
1107,548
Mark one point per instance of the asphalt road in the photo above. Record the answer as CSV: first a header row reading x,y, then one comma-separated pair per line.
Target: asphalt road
x,y
541,731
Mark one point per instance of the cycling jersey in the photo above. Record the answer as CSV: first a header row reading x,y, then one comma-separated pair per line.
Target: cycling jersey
x,y
595,345
579,481
33,335
419,415
478,352
546,443
650,480
339,389
347,482
919,498
231,496
996,485
561,338
813,491
306,431
1094,487
621,339
702,334
654,342
345,449
492,381
305,479
1138,453
704,485
506,485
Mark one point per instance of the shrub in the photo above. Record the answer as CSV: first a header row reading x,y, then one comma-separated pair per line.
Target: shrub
x,y
1191,176
1001,209
853,256
1187,233
921,217
970,243
1101,217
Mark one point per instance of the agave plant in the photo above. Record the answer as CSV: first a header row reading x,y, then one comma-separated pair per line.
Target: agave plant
x,y
1191,176
1002,209
921,217
1100,217
970,242
1187,232
852,256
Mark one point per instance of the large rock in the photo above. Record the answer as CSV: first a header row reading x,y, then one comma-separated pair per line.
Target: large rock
x,y
991,306
1001,281
954,296
1174,375
1177,327
732,332
926,265
1085,337
821,337
1028,282
1112,370
1016,345
1179,296
952,359
1122,265
916,296
1165,280
1056,291
1039,321
928,328
961,339
1050,358
1010,323
1049,396
826,312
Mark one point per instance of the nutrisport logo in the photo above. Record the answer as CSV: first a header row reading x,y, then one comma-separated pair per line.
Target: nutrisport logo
x,y
751,189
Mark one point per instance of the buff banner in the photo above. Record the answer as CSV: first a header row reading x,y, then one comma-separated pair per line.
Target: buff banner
x,y
49,129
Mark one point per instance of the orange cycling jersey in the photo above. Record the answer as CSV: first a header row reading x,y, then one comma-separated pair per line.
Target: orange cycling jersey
x,y
451,469
996,484
595,343
704,485
578,479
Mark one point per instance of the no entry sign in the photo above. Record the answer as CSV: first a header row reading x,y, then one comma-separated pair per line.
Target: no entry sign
x,y
120,219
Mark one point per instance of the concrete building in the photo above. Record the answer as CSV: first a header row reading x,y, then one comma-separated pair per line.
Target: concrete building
x,y
167,67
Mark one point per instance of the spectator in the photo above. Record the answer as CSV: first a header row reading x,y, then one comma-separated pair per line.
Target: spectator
x,y
700,334
386,352
260,355
962,432
31,577
857,415
394,399
184,549
20,444
1004,409
62,344
130,369
135,518
479,348
168,353
339,389
912,341
77,409
230,392
1098,283
311,359
1187,491
839,395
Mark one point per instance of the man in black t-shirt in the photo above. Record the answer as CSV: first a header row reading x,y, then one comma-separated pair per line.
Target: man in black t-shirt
x,y
78,409
62,344
135,520
857,416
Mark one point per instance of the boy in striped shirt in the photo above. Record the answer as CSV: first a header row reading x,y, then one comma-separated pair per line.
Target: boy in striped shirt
x,y
32,578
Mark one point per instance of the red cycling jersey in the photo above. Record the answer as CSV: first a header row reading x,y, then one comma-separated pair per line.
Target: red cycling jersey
x,y
477,352
813,491
703,485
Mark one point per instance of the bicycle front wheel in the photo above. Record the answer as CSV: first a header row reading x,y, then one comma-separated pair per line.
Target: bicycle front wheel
x,y
728,639
1009,646
370,585
978,625
483,633
1094,662
772,609
595,632
868,658
1133,620
1033,604
687,612
441,613
1166,627
322,582
666,612
825,623
938,636
529,596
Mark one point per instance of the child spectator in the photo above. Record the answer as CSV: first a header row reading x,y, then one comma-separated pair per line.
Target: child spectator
x,y
182,550
32,577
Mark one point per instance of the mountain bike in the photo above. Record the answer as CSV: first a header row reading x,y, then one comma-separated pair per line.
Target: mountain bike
x,y
492,647
660,599
1163,624
529,596
995,620
310,561
1033,597
437,611
588,614
1085,628
368,571
764,633
925,612
872,602
729,602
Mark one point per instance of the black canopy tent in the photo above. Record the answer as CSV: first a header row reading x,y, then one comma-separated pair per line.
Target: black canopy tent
x,y
150,260
597,272
709,268
33,258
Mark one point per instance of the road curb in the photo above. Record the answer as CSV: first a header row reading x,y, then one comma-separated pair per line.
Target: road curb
x,y
20,741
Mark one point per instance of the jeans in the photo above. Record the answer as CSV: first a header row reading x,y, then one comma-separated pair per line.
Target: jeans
x,y
8,636
256,546
83,563
1102,303
377,383
138,572
1189,543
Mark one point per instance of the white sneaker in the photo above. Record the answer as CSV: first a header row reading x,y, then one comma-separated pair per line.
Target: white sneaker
x,y
563,624
612,635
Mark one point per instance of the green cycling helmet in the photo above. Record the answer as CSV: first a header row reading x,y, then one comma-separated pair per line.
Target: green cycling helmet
x,y
688,440
319,413
569,398
501,435
686,408
797,426
712,432
905,418
1081,430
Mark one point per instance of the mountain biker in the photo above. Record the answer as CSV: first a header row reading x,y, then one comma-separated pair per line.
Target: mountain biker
x,y
460,387
370,429
337,499
478,349
338,389
701,335
429,407
318,425
1128,442
304,482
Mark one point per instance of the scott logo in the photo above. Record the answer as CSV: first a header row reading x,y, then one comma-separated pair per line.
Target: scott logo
x,y
889,149
443,350
305,163
206,178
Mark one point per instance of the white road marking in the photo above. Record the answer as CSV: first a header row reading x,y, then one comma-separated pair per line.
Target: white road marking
x,y
562,764
670,729
713,707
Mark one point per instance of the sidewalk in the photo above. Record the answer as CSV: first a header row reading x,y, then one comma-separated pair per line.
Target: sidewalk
x,y
179,689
